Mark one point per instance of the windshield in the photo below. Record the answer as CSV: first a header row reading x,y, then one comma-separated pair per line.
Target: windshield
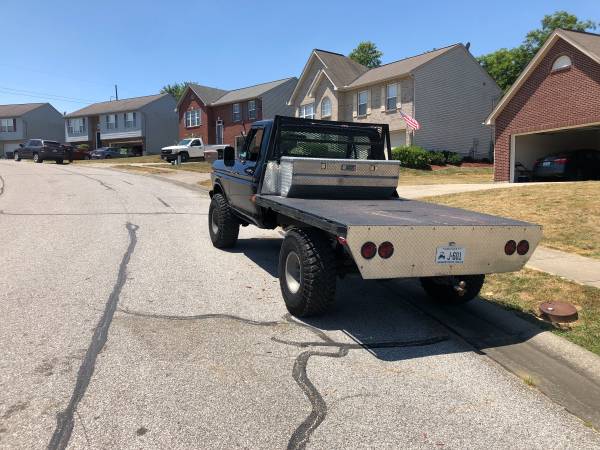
x,y
184,142
327,141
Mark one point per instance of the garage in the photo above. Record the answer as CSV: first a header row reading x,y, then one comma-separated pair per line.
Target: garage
x,y
398,138
9,148
552,108
528,148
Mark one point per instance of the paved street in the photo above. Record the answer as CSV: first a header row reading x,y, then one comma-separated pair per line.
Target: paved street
x,y
122,327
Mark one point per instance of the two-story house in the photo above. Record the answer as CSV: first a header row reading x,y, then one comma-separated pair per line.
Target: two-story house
x,y
220,116
446,90
143,124
19,123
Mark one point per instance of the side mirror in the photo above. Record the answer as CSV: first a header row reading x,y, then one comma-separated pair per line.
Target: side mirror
x,y
229,156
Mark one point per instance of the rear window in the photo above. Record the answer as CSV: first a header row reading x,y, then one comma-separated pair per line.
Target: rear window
x,y
316,140
52,143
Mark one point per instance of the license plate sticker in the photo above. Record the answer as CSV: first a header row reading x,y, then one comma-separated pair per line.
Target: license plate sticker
x,y
450,255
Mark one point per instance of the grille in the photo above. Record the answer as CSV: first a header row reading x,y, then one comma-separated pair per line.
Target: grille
x,y
166,152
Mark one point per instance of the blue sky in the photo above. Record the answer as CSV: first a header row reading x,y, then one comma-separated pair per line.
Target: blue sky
x,y
72,53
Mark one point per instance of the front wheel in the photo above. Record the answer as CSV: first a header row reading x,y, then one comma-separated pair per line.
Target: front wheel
x,y
307,272
16,156
453,289
223,226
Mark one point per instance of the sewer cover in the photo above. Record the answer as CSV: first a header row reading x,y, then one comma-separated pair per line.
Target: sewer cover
x,y
559,312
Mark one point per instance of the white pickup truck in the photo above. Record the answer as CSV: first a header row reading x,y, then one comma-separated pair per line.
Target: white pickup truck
x,y
187,148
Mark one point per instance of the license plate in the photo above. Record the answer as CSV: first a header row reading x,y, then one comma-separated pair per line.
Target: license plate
x,y
546,163
450,255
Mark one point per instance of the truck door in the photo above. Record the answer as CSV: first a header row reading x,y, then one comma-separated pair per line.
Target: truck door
x,y
196,149
244,186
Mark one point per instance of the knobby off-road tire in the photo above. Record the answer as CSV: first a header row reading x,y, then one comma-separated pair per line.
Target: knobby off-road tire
x,y
307,272
223,226
441,289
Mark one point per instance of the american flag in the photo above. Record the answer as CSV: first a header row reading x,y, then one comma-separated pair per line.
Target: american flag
x,y
410,121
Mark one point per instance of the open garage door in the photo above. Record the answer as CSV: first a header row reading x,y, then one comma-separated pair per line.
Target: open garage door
x,y
528,148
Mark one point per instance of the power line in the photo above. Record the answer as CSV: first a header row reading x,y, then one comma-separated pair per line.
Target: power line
x,y
54,74
45,95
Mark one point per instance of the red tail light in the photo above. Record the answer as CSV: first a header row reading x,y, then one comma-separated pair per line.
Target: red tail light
x,y
510,247
523,248
560,161
386,250
368,250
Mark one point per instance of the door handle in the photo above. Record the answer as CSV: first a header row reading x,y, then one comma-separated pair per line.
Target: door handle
x,y
249,171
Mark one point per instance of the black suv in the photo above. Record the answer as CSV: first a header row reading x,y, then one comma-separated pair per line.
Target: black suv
x,y
41,149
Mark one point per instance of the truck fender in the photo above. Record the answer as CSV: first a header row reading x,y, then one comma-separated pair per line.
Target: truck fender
x,y
217,189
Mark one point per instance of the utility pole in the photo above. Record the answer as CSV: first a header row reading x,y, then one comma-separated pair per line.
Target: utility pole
x,y
116,93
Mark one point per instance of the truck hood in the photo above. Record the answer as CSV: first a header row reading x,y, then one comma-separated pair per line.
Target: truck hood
x,y
175,147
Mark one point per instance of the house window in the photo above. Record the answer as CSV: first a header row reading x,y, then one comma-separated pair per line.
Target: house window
x,y
130,119
562,62
236,112
391,96
251,110
326,107
307,111
192,118
8,125
76,126
111,121
363,96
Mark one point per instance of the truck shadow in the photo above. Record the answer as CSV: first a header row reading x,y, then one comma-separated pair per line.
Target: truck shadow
x,y
382,316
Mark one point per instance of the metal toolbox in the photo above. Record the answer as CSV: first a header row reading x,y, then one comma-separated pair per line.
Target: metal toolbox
x,y
333,178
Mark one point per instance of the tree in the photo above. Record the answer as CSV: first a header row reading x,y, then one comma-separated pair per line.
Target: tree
x,y
505,65
367,54
175,89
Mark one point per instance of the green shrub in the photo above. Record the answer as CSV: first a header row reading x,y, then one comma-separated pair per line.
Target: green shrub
x,y
452,158
412,156
437,158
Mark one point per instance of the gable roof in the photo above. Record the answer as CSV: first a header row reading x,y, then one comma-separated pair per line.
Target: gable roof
x,y
18,110
398,68
206,93
587,43
249,92
114,106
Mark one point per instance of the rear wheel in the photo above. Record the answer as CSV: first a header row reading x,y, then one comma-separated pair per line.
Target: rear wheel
x,y
16,156
59,161
37,159
307,272
223,226
453,289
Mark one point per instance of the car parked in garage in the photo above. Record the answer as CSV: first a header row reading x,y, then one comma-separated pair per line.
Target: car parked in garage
x,y
583,164
108,153
41,149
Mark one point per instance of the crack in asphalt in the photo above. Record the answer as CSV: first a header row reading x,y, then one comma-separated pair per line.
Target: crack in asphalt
x,y
163,202
64,420
1,185
108,187
303,432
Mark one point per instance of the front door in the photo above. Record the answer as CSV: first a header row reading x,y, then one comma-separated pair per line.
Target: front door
x,y
219,132
98,140
244,170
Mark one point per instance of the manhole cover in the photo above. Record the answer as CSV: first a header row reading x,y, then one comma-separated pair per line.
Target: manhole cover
x,y
559,312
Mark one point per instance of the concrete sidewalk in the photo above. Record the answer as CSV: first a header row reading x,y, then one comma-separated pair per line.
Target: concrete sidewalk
x,y
577,268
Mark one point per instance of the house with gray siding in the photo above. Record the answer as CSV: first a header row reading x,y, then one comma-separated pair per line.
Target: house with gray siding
x,y
445,89
21,122
143,124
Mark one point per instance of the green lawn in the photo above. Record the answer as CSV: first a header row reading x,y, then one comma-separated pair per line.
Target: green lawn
x,y
451,175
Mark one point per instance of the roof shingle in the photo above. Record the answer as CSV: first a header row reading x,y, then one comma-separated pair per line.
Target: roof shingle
x,y
115,106
206,93
247,93
18,109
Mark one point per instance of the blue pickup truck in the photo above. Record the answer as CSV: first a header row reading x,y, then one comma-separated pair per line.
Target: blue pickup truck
x,y
332,187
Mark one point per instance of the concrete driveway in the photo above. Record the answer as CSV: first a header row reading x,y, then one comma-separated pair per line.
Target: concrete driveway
x,y
122,327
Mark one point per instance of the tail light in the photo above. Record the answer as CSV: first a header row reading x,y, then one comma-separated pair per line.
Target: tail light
x,y
523,247
560,161
510,247
368,250
386,250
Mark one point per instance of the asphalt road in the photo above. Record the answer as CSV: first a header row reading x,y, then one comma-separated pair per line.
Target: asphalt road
x,y
122,327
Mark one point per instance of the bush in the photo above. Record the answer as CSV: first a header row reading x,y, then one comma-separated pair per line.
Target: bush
x,y
453,158
412,156
437,158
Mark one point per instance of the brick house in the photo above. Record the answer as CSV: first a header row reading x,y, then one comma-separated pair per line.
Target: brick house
x,y
553,106
220,116
446,90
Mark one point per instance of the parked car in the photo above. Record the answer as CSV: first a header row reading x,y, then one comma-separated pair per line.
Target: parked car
x,y
108,153
187,148
80,152
42,149
581,164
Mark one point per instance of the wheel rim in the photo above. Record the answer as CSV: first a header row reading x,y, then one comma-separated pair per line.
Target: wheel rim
x,y
36,157
293,272
16,156
213,223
